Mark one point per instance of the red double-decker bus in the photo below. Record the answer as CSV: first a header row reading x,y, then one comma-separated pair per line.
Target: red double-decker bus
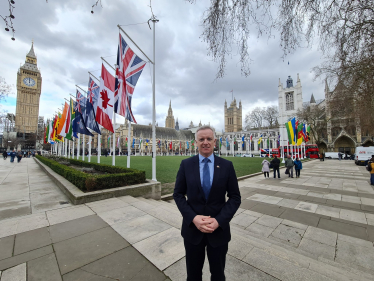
x,y
311,151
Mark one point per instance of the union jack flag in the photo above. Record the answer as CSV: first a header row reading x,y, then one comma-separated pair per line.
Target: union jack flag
x,y
128,70
93,93
81,103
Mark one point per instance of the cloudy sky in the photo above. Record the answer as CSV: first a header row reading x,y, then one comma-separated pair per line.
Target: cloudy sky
x,y
69,41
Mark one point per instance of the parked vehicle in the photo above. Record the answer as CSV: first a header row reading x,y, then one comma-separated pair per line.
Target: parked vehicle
x,y
246,155
363,154
332,155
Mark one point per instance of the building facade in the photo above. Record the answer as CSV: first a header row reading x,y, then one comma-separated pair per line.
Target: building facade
x,y
29,87
233,117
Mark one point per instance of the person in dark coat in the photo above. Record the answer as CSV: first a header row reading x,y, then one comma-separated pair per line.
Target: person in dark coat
x,y
12,156
5,155
298,167
275,163
206,179
19,156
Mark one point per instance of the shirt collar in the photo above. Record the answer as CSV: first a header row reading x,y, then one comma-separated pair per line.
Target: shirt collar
x,y
211,157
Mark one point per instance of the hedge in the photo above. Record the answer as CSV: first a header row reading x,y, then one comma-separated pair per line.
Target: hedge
x,y
114,177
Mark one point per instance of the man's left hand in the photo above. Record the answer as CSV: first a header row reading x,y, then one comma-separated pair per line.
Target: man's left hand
x,y
213,224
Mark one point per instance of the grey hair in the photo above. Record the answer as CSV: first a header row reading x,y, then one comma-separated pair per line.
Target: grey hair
x,y
204,128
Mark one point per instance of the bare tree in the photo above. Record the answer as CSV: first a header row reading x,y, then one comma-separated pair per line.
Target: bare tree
x,y
5,89
271,116
254,119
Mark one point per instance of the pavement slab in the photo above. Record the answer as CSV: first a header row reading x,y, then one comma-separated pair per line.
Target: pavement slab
x,y
6,247
17,273
121,214
322,236
288,233
84,249
353,254
43,268
67,214
244,220
31,240
317,249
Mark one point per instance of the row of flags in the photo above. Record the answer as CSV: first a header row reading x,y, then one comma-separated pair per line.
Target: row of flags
x,y
297,132
112,96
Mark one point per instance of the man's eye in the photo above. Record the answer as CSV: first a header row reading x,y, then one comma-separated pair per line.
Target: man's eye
x,y
209,139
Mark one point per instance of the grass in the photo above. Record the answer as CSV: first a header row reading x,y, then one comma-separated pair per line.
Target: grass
x,y
167,166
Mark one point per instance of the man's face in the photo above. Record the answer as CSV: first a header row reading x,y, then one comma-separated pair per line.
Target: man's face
x,y
289,156
205,142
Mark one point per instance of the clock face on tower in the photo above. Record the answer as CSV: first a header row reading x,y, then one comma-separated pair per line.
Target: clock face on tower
x,y
29,81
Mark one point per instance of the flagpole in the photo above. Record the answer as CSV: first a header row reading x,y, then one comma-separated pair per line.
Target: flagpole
x,y
83,145
128,146
79,145
99,146
114,139
89,148
154,20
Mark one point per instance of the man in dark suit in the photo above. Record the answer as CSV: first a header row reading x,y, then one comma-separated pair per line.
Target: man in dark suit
x,y
206,179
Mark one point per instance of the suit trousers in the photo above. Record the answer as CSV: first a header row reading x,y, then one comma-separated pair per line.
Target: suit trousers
x,y
195,257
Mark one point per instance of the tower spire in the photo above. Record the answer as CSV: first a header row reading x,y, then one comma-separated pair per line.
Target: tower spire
x,y
31,53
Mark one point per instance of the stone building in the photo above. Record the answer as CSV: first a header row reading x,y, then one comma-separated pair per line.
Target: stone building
x,y
170,121
29,86
233,117
340,134
290,100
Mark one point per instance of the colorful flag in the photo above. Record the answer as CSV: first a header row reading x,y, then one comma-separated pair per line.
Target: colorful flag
x,y
78,124
128,70
220,142
93,93
61,124
242,142
227,142
90,117
193,144
250,139
81,103
259,140
71,132
146,142
300,134
105,101
133,142
308,132
290,126
188,144
171,145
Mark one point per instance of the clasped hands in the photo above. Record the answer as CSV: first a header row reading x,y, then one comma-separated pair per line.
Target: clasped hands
x,y
205,224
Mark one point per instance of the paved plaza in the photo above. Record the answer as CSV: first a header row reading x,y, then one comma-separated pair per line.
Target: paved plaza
x,y
316,227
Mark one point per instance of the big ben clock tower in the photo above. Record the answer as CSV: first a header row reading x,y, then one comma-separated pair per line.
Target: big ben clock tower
x,y
29,87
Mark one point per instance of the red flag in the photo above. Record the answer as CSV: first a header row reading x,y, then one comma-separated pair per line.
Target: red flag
x,y
171,145
105,101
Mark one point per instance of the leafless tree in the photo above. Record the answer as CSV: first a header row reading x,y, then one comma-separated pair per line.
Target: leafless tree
x,y
5,89
271,116
254,119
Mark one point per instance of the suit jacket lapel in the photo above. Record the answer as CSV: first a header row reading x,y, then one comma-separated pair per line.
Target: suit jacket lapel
x,y
196,173
216,171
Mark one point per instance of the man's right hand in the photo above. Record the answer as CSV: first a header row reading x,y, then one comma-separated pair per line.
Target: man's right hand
x,y
202,225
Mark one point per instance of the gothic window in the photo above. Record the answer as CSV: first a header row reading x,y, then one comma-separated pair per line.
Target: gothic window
x,y
289,101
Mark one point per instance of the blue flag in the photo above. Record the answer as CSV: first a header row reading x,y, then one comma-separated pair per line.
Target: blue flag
x,y
90,117
79,126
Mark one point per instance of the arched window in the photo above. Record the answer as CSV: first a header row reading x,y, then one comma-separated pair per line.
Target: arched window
x,y
289,101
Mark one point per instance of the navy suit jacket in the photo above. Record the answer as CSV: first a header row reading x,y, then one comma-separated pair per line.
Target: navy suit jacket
x,y
224,182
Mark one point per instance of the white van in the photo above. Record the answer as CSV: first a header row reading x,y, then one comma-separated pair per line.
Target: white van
x,y
332,155
363,154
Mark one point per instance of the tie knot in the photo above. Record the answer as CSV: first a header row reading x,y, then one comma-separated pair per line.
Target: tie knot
x,y
206,160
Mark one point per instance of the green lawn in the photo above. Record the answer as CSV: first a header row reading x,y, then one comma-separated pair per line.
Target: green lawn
x,y
167,166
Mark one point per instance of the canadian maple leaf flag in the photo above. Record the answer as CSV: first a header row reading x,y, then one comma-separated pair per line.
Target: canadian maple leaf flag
x,y
105,101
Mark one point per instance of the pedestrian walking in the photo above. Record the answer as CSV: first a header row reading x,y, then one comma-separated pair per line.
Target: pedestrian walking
x,y
5,155
275,163
298,167
370,168
19,156
340,156
289,166
12,156
265,168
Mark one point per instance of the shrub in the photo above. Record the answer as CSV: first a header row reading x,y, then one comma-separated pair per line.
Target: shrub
x,y
114,177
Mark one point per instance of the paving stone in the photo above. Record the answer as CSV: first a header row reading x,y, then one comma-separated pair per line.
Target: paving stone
x,y
333,196
126,264
268,209
316,194
106,205
32,222
295,224
173,219
354,240
287,233
6,247
18,208
177,271
287,195
140,228
128,199
300,217
351,199
144,206
248,204
162,249
328,211
43,268
353,216
317,249
271,200
122,214
16,260
307,207
67,214
343,228
243,220
348,253
238,248
260,230
288,203
78,251
280,268
73,228
239,211
17,273
312,199
8,227
81,275
257,197
31,240
321,235
269,221
253,214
